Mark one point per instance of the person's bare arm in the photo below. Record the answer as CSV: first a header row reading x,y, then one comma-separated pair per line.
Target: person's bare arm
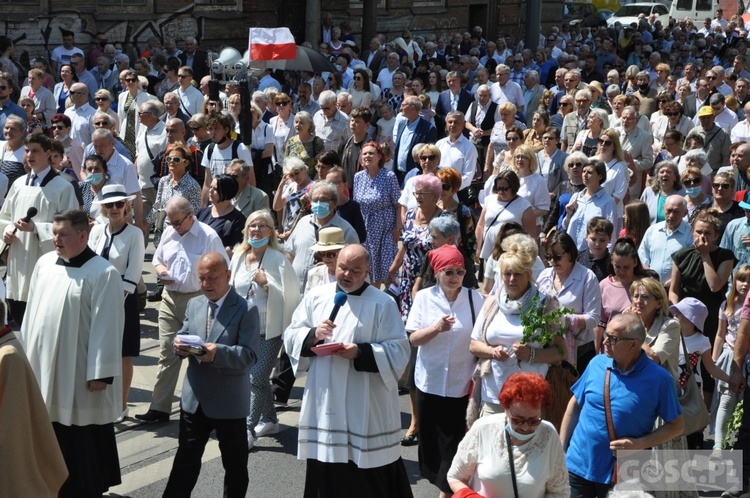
x,y
674,296
669,430
569,422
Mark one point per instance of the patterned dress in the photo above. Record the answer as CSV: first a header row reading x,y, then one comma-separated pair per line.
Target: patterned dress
x,y
393,99
417,243
377,198
305,151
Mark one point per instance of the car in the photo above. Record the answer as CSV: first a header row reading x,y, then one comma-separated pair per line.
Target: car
x,y
580,13
630,13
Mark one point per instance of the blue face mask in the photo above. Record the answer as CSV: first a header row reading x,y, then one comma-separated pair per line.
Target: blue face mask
x,y
258,243
518,435
321,209
694,191
95,178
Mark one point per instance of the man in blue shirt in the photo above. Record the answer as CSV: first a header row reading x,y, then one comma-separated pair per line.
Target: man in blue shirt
x,y
640,391
666,238
736,237
7,106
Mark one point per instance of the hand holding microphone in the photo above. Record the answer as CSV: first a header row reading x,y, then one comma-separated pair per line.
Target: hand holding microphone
x,y
324,330
24,224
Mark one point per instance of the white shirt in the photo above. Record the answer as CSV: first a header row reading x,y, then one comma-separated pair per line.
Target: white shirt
x,y
80,120
511,92
460,155
741,132
385,78
219,159
157,143
191,100
121,171
181,253
444,365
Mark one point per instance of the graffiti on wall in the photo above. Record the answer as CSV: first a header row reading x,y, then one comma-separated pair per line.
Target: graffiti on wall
x,y
39,36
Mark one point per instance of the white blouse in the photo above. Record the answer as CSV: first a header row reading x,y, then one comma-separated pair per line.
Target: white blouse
x,y
482,462
444,365
126,251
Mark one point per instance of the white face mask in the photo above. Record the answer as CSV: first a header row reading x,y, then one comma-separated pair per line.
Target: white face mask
x,y
518,435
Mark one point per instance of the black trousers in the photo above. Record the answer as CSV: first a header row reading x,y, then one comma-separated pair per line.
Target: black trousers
x,y
283,378
195,428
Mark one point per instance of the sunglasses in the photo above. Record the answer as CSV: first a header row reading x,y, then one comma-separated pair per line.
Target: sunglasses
x,y
427,158
710,77
513,139
576,165
450,273
174,159
721,186
101,99
76,93
101,123
671,114
195,128
501,189
143,113
605,143
183,76
329,254
565,104
446,187
554,257
692,182
283,104
118,205
131,80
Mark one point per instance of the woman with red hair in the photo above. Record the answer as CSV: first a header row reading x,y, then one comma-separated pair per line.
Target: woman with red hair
x,y
513,450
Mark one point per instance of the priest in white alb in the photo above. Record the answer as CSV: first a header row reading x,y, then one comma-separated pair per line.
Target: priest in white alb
x,y
350,421
72,336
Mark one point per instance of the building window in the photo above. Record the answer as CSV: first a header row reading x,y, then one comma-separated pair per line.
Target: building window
x,y
22,6
234,5
357,4
122,3
428,3
124,6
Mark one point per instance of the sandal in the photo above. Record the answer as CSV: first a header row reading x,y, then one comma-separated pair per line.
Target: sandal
x,y
409,440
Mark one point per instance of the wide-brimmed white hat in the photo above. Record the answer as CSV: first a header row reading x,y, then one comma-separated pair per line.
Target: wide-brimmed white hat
x,y
113,193
330,239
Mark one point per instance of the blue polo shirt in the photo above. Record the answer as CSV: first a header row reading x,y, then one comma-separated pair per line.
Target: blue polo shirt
x,y
637,396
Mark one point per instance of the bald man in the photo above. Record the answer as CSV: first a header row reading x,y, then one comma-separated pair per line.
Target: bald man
x,y
216,390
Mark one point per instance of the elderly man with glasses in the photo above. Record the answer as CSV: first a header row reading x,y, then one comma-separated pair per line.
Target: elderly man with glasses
x,y
80,113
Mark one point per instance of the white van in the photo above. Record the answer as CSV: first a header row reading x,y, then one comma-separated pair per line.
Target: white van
x,y
699,10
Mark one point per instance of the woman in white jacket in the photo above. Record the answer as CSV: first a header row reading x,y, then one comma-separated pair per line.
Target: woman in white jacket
x,y
262,274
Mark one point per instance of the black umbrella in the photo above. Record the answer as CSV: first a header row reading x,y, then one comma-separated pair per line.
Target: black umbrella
x,y
307,60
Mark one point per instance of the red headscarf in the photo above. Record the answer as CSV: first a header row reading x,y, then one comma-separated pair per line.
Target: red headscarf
x,y
444,257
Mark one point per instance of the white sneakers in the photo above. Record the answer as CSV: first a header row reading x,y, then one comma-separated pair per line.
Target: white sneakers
x,y
266,429
250,440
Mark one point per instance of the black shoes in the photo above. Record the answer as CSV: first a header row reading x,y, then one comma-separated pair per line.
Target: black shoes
x,y
408,439
155,296
153,416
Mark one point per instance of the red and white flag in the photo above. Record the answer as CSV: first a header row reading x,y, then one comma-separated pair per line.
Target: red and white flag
x,y
272,44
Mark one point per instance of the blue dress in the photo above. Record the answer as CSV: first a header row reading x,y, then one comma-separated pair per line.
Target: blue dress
x,y
378,198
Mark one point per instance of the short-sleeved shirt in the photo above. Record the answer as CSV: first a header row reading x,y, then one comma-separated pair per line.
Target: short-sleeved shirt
x,y
637,397
217,160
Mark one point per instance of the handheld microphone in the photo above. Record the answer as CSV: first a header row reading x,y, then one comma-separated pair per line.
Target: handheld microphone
x,y
338,301
32,211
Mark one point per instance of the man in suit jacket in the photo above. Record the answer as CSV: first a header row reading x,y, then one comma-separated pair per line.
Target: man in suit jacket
x,y
248,199
410,131
532,94
195,58
374,57
455,98
216,389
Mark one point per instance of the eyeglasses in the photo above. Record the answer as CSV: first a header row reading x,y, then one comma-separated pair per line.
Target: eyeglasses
x,y
692,182
446,187
329,254
613,340
174,159
581,101
663,101
183,76
118,205
141,113
131,80
258,227
554,257
565,104
195,128
671,114
576,165
450,273
427,158
101,99
76,93
58,127
530,421
501,189
101,123
710,77
283,104
178,223
605,143
721,186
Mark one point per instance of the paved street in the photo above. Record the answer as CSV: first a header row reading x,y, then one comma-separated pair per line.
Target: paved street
x,y
147,450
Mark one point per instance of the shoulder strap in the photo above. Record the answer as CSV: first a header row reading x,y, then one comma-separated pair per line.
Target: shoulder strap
x,y
512,464
608,406
471,306
210,151
235,148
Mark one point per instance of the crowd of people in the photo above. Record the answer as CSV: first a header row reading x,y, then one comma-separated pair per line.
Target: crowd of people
x,y
392,226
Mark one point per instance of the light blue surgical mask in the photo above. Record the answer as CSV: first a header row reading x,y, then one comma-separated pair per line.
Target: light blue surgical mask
x,y
694,191
321,209
95,178
258,243
518,435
